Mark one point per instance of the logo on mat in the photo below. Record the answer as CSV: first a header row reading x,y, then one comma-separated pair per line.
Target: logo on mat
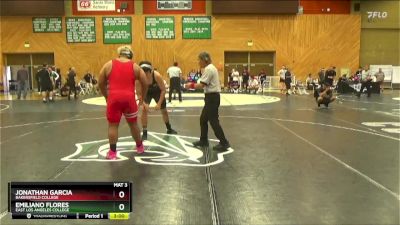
x,y
160,149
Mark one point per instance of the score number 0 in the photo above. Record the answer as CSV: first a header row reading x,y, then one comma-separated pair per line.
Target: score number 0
x,y
121,194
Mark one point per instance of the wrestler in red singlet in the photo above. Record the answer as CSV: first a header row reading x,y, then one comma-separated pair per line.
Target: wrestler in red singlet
x,y
121,74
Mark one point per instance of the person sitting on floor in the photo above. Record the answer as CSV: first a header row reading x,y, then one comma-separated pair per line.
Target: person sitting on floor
x,y
324,95
254,85
235,84
366,83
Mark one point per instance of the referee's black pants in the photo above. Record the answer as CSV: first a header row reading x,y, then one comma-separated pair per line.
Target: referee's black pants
x,y
210,114
175,84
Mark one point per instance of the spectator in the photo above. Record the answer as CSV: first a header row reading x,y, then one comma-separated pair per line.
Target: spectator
x,y
37,78
343,85
71,83
262,76
281,74
235,84
366,83
54,76
357,76
46,84
288,80
254,85
175,74
22,82
380,77
321,76
198,74
365,73
330,75
309,82
58,81
191,76
245,77
88,77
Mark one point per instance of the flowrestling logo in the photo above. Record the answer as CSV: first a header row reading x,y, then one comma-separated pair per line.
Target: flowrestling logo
x,y
377,15
160,149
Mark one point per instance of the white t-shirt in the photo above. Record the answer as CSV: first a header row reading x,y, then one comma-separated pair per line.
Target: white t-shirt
x,y
174,71
281,73
235,76
253,82
210,79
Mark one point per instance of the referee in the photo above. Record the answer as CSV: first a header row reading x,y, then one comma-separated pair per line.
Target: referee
x,y
209,81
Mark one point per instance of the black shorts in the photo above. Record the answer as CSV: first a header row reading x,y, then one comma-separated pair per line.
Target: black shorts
x,y
281,80
288,85
156,97
326,100
46,86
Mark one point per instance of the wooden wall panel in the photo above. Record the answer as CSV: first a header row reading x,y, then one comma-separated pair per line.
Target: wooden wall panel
x,y
304,43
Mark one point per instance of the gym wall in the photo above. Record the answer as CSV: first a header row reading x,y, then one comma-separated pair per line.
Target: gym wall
x,y
380,34
305,42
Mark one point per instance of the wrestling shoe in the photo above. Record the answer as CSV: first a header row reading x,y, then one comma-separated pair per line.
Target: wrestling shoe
x,y
140,149
144,136
171,131
111,155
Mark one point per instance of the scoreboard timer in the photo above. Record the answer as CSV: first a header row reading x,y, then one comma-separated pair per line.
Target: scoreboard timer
x,y
70,200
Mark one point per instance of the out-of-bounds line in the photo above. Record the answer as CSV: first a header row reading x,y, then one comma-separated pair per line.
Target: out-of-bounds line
x,y
313,123
370,180
16,137
237,117
3,214
49,122
60,172
7,106
351,100
354,124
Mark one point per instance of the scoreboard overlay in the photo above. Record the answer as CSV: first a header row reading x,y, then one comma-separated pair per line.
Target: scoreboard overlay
x,y
70,200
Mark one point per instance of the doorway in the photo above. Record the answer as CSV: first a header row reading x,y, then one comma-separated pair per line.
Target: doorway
x,y
255,61
33,63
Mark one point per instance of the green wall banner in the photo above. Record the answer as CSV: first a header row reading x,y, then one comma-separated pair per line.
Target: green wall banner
x,y
47,24
196,27
81,29
160,27
117,30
